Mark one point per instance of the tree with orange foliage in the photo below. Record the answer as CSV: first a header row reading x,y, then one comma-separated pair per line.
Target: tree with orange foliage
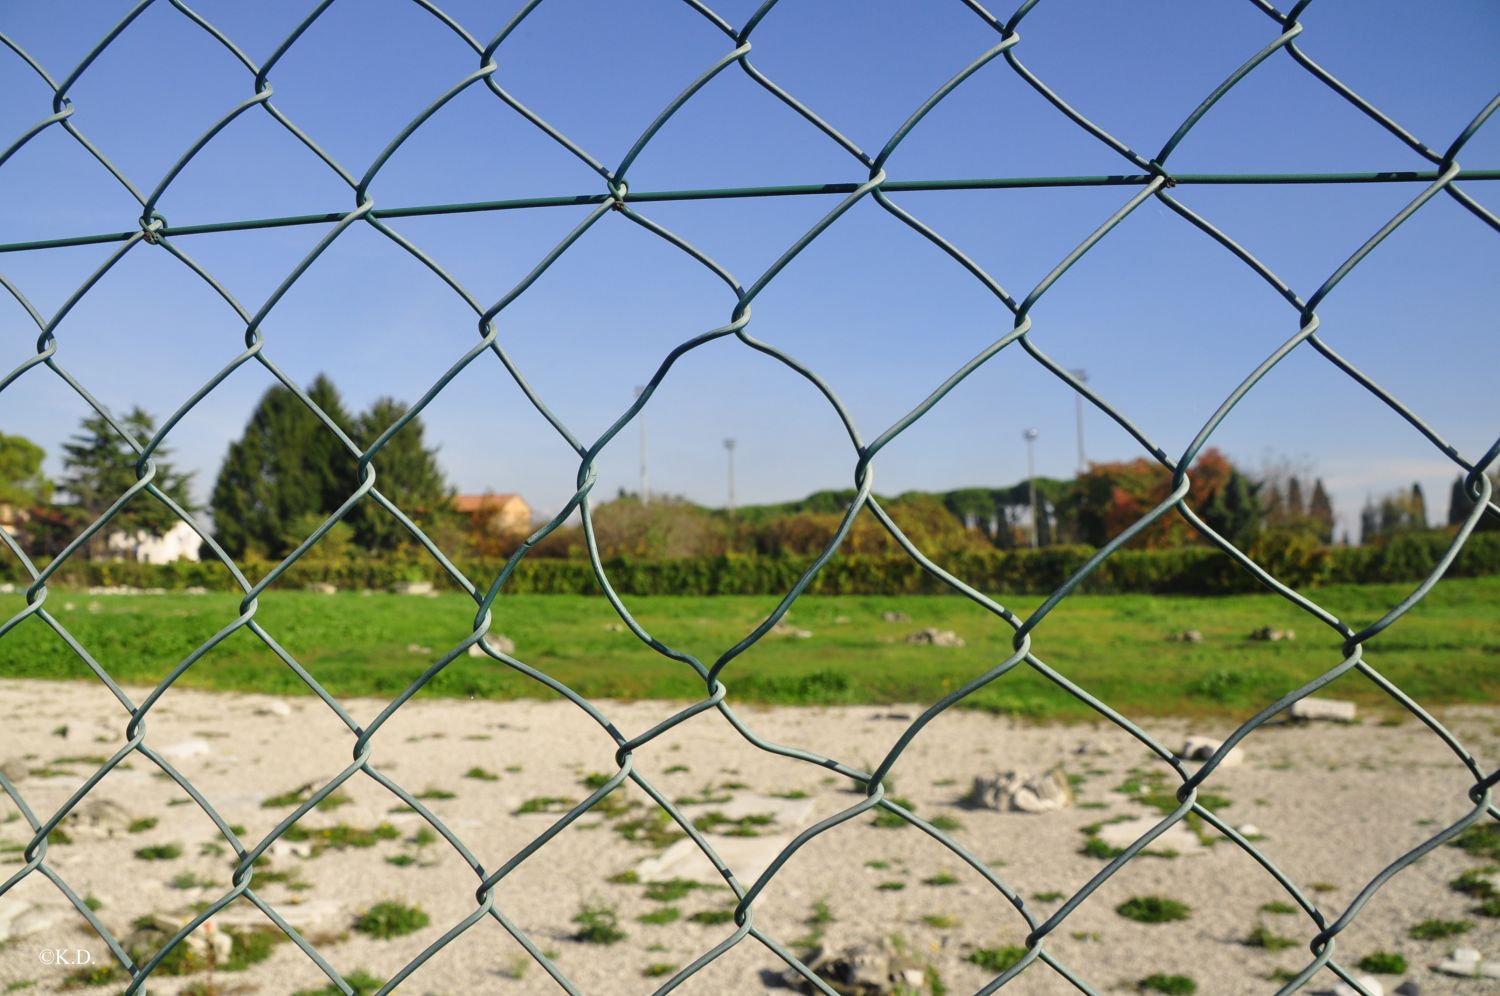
x,y
1111,497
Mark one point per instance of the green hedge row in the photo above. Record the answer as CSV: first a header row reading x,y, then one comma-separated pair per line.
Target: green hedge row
x,y
1188,570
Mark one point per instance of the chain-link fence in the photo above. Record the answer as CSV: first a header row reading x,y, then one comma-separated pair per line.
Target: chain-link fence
x,y
1151,179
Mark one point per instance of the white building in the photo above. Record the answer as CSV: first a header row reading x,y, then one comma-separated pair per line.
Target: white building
x,y
178,543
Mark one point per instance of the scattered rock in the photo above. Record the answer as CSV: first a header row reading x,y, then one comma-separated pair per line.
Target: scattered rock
x,y
1469,964
748,857
275,707
19,917
1196,748
149,933
14,769
1408,988
1092,748
1249,831
1176,837
935,638
185,750
614,627
895,617
69,606
321,588
98,817
1369,982
195,589
498,642
1273,635
1015,791
786,629
841,620
417,648
868,969
1187,636
412,588
289,849
1334,710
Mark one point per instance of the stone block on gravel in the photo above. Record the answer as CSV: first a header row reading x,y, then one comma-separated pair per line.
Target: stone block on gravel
x,y
1333,710
1196,748
747,857
1022,792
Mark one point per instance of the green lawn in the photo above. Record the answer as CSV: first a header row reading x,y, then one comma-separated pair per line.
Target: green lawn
x,y
1446,650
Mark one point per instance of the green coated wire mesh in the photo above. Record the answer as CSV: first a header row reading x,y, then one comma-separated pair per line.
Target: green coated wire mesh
x,y
1150,179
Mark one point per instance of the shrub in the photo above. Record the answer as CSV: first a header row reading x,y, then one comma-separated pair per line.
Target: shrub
x,y
1383,963
1153,909
1268,940
1436,930
996,959
391,919
598,925
1159,983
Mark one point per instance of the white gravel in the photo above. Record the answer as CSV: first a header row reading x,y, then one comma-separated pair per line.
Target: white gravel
x,y
1335,803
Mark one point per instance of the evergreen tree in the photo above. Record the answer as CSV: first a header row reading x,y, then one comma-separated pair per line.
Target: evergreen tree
x,y
1294,508
1459,502
1236,511
286,467
1418,506
406,472
99,467
1369,521
1320,512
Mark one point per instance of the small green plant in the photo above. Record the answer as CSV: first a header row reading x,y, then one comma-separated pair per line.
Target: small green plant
x,y
188,880
661,915
941,921
887,820
1181,985
1047,897
712,917
1475,882
18,985
746,826
1383,963
671,890
945,823
1278,907
93,903
1436,930
822,915
333,800
597,924
142,825
1153,909
996,959
891,886
362,983
391,919
400,860
159,852
941,878
1480,841
425,835
1268,940
294,797
595,781
657,969
432,792
481,774
626,877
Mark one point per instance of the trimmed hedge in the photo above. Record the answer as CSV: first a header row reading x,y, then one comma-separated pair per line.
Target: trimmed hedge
x,y
1185,570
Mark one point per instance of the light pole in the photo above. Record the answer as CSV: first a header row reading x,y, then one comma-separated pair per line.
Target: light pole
x,y
729,448
645,488
1083,377
1031,435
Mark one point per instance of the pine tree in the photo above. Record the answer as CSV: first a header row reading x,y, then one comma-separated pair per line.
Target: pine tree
x,y
406,472
286,468
99,467
1320,511
1236,511
1294,508
1418,506
1369,522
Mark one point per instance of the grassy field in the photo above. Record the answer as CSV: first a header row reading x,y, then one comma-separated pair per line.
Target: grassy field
x,y
1447,650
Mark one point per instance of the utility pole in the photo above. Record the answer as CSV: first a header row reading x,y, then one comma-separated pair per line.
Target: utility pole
x,y
1030,435
1083,377
729,448
645,488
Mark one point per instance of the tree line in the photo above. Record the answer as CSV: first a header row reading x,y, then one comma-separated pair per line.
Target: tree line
x,y
289,472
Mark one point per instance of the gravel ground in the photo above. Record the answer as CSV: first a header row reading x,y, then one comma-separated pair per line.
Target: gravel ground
x,y
1334,804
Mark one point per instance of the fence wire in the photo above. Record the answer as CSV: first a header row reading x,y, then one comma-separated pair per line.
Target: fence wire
x,y
1152,181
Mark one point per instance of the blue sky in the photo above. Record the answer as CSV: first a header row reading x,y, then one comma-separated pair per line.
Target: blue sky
x,y
1163,319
